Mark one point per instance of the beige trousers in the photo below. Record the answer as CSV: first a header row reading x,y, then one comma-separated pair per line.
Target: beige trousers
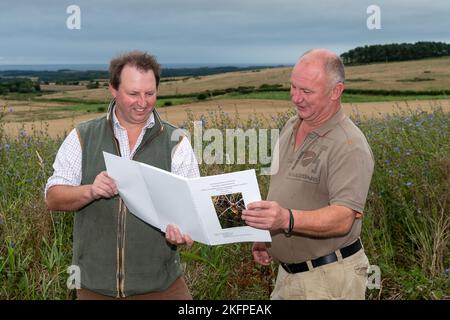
x,y
343,279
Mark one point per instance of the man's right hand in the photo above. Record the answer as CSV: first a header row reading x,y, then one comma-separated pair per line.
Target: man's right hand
x,y
103,187
72,198
260,254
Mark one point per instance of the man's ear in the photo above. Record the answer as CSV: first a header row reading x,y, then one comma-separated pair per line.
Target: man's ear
x,y
337,91
112,90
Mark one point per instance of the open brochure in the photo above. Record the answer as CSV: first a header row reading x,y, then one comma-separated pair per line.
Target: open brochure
x,y
206,208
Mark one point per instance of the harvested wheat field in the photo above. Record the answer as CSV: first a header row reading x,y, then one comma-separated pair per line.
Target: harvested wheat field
x,y
244,108
418,75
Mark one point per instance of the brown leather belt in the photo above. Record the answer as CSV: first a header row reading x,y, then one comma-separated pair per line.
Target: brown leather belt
x,y
329,258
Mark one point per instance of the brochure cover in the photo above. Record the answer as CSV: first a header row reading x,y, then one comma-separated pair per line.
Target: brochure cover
x,y
207,208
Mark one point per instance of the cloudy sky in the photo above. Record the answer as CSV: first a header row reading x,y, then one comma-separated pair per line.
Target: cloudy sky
x,y
208,31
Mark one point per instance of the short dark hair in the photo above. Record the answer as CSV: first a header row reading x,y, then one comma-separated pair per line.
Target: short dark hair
x,y
139,59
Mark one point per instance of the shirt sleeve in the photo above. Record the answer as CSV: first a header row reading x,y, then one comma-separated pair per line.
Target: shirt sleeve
x,y
349,178
67,165
184,162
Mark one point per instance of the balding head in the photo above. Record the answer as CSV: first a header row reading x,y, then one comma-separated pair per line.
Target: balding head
x,y
330,62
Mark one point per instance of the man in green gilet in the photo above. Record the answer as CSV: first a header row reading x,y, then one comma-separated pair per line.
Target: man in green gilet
x,y
118,255
316,197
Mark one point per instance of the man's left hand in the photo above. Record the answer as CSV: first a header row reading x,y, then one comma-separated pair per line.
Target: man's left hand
x,y
175,237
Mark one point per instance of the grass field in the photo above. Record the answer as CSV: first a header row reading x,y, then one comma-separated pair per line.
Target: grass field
x,y
406,226
346,98
61,122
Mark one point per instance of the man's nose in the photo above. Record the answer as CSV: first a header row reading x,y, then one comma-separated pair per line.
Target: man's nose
x,y
296,96
141,101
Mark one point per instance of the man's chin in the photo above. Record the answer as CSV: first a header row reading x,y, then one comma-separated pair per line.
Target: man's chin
x,y
301,115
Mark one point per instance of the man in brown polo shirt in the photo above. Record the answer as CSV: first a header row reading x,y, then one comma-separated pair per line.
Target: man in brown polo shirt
x,y
317,195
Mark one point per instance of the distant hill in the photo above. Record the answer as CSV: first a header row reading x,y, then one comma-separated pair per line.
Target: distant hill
x,y
59,76
396,52
67,76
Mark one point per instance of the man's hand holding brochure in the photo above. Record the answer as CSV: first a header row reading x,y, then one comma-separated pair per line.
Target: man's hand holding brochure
x,y
208,209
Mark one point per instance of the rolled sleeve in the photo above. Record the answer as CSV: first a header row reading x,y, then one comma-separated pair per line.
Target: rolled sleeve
x,y
67,165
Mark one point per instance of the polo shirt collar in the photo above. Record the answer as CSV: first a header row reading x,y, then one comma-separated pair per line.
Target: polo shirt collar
x,y
331,123
327,126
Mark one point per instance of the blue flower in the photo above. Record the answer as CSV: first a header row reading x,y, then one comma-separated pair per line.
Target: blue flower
x,y
13,244
396,149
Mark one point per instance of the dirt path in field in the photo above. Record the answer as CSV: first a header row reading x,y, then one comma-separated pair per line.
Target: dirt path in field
x,y
245,108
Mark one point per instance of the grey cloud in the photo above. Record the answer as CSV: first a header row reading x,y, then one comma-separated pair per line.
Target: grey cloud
x,y
181,31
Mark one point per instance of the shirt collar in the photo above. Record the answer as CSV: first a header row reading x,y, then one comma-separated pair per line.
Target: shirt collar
x,y
150,121
331,123
328,125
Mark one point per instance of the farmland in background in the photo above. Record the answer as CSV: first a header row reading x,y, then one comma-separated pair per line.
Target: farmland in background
x,y
407,219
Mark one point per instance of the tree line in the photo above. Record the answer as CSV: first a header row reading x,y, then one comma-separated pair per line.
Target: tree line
x,y
21,85
395,52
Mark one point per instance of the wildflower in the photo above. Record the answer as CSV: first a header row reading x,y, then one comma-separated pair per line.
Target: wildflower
x,y
408,184
13,244
10,109
396,149
447,271
387,162
408,153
